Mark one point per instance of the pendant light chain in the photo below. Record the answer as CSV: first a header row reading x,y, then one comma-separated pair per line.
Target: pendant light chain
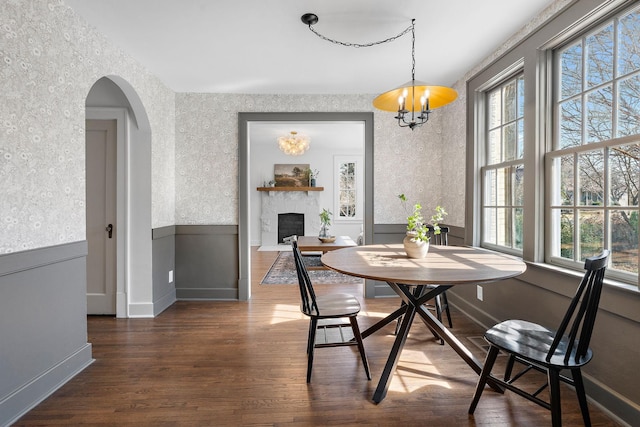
x,y
413,50
358,45
413,68
412,101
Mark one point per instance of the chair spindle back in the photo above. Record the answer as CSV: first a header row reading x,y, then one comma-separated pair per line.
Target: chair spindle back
x,y
586,302
440,238
307,294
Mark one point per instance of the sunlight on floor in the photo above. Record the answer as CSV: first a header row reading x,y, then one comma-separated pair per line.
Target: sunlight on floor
x,y
285,313
369,313
414,372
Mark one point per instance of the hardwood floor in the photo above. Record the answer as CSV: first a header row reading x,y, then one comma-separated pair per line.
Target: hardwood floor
x,y
244,363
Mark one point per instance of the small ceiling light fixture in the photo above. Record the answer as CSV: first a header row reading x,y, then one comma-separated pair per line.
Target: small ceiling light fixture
x,y
294,144
414,100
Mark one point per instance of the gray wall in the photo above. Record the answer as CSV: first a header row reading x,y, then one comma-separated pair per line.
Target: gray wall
x,y
43,325
164,256
206,262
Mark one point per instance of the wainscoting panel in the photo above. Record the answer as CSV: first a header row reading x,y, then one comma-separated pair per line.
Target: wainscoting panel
x,y
206,262
163,268
43,324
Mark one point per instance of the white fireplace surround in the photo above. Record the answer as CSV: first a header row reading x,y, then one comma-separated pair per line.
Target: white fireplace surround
x,y
277,202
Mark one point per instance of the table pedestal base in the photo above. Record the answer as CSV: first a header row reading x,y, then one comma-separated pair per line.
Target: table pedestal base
x,y
414,305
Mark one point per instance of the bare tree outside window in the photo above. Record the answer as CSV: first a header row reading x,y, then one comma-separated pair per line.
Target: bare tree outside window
x,y
596,159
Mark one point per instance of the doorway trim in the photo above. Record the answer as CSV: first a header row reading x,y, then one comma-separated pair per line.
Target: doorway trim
x,y
135,289
122,123
244,119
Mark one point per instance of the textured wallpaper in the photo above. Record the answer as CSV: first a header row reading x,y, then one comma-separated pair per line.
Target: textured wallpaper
x,y
49,59
207,153
453,177
428,164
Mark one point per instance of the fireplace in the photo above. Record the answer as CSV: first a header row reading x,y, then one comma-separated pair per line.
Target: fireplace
x,y
275,203
290,224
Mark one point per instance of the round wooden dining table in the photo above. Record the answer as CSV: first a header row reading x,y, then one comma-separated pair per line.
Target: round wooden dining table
x,y
417,281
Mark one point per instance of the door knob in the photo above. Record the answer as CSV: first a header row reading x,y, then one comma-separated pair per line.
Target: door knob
x,y
110,230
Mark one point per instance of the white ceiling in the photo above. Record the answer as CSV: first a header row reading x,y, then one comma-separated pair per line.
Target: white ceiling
x,y
342,135
261,46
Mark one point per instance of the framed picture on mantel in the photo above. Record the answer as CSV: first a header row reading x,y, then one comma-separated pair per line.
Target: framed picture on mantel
x,y
291,175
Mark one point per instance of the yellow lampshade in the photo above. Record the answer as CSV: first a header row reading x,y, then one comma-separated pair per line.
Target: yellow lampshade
x,y
438,96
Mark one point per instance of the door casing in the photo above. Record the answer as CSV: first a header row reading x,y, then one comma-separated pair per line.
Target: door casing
x,y
101,142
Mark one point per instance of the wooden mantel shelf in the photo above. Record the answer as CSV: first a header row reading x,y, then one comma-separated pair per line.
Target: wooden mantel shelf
x,y
290,188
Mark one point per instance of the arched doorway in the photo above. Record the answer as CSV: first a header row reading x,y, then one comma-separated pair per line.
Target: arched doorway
x,y
113,99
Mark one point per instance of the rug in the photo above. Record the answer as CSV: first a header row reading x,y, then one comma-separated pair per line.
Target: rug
x,y
283,272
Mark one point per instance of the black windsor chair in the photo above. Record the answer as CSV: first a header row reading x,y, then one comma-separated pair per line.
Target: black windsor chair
x,y
549,351
327,313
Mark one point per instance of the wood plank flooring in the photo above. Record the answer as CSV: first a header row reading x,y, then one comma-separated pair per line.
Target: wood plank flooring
x,y
244,363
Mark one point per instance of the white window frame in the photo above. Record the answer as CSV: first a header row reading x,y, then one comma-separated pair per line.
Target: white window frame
x,y
359,177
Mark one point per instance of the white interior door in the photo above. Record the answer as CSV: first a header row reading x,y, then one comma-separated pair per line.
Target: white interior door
x,y
101,145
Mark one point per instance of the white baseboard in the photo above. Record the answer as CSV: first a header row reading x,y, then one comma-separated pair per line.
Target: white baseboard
x,y
141,310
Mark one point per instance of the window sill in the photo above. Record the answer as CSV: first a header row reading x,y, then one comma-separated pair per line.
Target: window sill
x,y
622,286
618,298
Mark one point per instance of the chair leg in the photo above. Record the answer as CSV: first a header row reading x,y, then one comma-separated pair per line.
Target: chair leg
x,y
509,369
554,393
311,345
399,320
312,334
445,303
484,375
582,398
358,337
438,304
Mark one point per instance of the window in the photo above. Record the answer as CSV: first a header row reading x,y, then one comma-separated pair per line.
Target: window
x,y
503,170
560,182
595,159
348,189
